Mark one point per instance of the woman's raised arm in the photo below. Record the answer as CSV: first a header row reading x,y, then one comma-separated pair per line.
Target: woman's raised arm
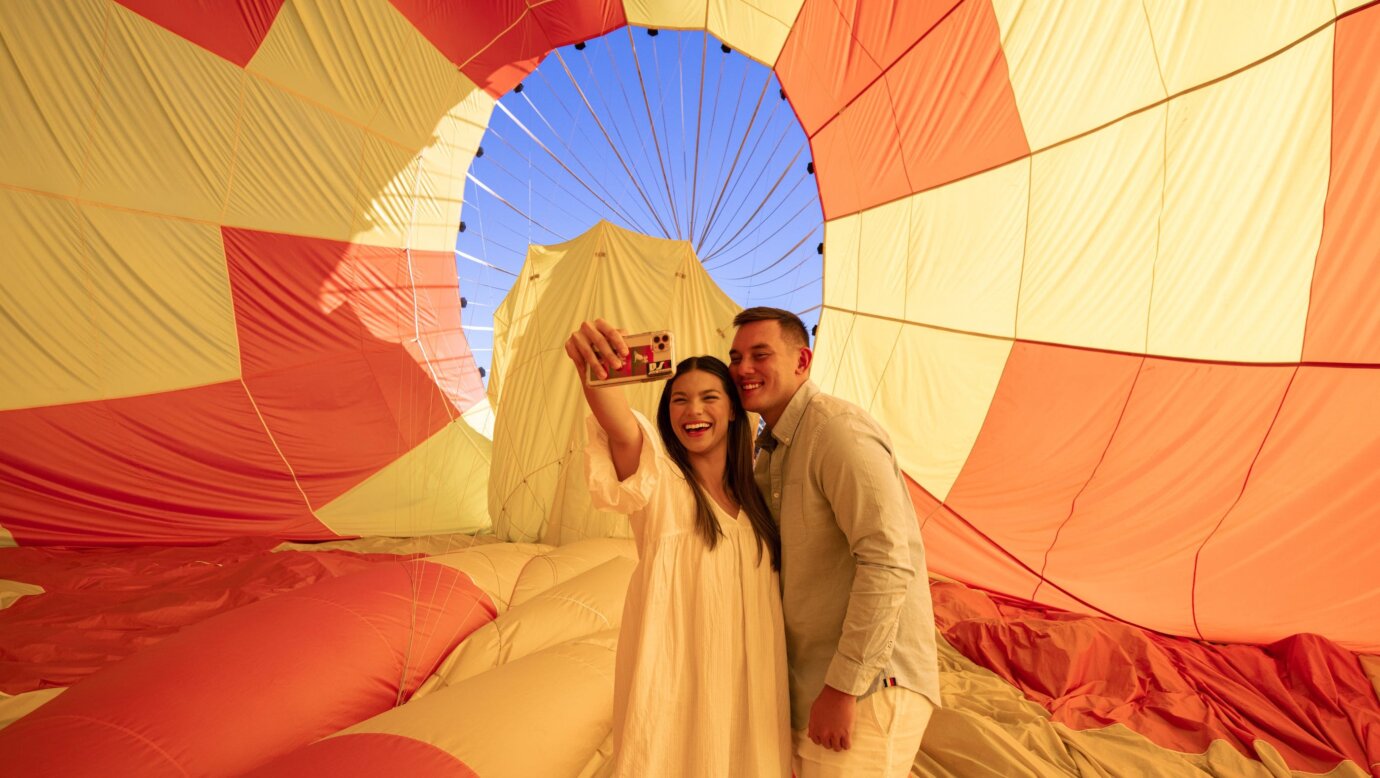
x,y
600,344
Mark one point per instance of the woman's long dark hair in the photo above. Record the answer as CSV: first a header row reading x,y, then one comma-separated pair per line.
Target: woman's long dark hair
x,y
738,480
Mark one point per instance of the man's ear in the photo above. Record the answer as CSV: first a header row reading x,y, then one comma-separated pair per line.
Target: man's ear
x,y
802,365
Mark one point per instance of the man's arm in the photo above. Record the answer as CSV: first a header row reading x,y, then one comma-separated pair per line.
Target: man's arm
x,y
872,509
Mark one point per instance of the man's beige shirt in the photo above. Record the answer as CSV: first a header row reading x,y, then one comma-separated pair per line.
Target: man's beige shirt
x,y
855,592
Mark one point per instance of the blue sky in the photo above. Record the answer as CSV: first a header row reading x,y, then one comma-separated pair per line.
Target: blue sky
x,y
722,162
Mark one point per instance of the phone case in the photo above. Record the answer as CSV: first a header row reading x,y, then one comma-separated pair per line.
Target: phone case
x,y
651,357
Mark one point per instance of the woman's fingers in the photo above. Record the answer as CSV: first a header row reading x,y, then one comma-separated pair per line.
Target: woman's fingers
x,y
579,345
597,335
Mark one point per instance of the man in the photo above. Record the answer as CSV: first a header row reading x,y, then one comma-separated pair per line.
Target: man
x,y
859,624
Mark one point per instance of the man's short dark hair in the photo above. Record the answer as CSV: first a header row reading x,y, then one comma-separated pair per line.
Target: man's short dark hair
x,y
792,328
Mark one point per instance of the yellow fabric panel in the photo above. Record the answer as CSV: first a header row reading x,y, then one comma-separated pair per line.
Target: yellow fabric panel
x,y
161,303
424,545
444,163
1076,66
856,360
388,195
667,14
1346,5
17,706
163,136
564,693
364,61
883,242
1198,42
1094,229
1246,175
967,240
566,562
6,539
48,341
439,486
11,591
589,603
757,28
297,167
50,74
495,567
480,417
841,238
537,491
934,398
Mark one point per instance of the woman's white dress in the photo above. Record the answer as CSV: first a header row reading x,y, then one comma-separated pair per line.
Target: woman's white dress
x,y
700,681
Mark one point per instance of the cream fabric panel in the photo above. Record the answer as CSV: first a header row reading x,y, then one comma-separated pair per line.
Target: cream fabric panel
x,y
831,345
1246,174
841,238
297,167
50,74
163,136
667,14
934,399
161,303
856,362
1346,5
544,714
48,341
884,236
1094,229
758,28
439,486
1198,42
1076,66
494,567
967,241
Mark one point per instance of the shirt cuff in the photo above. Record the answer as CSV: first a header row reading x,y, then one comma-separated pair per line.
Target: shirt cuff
x,y
850,677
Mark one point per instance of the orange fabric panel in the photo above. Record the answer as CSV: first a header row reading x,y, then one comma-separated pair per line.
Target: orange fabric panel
x,y
858,156
232,30
1343,319
81,623
1050,422
183,467
322,344
1296,554
1304,696
1176,464
247,686
966,121
367,753
835,51
496,44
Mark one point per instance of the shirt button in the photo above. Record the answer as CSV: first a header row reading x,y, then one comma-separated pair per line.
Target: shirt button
x,y
776,495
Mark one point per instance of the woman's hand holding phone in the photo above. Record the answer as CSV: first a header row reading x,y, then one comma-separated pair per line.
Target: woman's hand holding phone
x,y
597,346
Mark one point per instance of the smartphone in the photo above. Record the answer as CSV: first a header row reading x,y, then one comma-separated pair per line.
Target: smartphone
x,y
650,358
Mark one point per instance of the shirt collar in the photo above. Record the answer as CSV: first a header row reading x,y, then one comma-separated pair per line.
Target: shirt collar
x,y
785,427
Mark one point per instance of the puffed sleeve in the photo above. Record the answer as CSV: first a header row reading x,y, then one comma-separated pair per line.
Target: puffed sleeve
x,y
632,493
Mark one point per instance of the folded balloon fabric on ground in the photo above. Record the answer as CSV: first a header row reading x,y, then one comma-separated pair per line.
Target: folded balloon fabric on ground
x,y
497,659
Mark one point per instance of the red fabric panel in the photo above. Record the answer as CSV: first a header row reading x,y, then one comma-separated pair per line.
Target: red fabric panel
x,y
836,50
1303,695
858,156
1297,553
188,467
966,120
1049,423
100,605
1343,317
232,30
368,753
498,43
236,690
321,326
1175,466
564,22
